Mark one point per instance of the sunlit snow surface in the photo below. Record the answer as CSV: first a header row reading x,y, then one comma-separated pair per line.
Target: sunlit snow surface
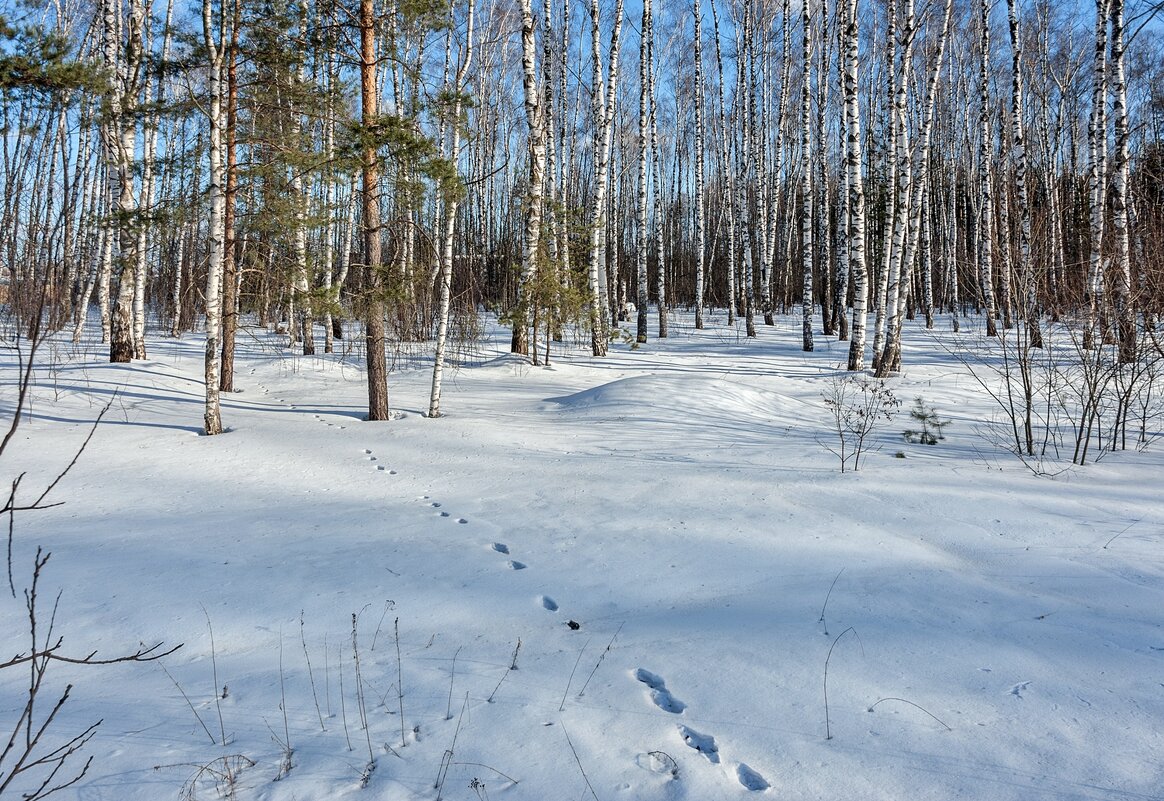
x,y
599,579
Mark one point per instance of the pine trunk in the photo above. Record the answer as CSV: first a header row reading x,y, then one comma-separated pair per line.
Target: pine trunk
x,y
377,366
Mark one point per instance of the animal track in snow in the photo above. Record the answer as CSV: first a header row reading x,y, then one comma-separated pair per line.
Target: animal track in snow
x,y
549,604
1017,690
660,695
371,457
437,505
703,743
750,779
516,565
500,547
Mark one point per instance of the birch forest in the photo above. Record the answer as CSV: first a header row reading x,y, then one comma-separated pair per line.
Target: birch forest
x,y
376,176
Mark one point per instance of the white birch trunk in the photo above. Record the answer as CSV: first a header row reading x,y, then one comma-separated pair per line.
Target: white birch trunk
x,y
445,278
536,144
657,173
1097,175
329,199
641,242
771,190
806,166
900,256
889,205
856,243
176,286
217,234
105,267
551,223
700,200
918,241
1125,317
985,180
120,141
747,178
728,199
605,94
843,216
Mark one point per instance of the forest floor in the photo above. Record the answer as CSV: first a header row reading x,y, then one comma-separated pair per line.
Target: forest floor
x,y
622,578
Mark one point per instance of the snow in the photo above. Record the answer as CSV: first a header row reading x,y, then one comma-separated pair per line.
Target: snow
x,y
602,579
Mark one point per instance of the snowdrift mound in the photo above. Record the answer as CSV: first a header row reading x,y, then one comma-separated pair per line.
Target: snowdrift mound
x,y
675,397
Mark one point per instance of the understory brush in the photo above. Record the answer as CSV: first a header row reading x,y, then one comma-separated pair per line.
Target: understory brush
x,y
1061,402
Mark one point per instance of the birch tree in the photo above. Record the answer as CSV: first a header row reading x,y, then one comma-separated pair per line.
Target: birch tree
x,y
641,242
451,199
660,233
230,196
1097,173
214,57
727,200
985,219
1125,321
700,200
123,60
916,245
898,263
855,184
1027,279
604,95
536,155
806,167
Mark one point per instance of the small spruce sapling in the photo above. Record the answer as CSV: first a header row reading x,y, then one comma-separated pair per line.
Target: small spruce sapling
x,y
932,425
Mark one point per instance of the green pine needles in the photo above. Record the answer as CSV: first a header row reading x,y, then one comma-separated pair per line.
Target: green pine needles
x,y
932,425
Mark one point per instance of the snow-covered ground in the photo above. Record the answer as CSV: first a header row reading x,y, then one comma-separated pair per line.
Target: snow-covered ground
x,y
602,579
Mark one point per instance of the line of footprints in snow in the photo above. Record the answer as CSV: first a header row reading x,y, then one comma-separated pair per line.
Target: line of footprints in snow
x,y
703,743
657,687
660,695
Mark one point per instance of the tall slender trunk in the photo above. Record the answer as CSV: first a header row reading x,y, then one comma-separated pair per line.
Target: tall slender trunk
x,y
120,144
856,242
806,165
605,94
377,363
445,279
536,155
331,295
700,200
843,216
229,263
900,261
1097,174
660,217
641,242
214,51
1125,313
728,199
985,179
918,241
772,227
822,237
889,205
553,222
148,190
748,179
